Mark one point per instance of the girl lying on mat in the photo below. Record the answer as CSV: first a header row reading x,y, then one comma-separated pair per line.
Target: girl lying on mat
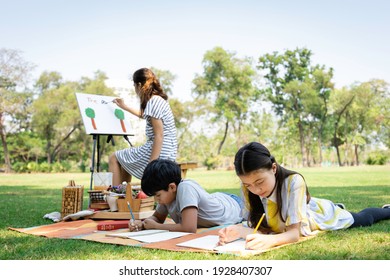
x,y
283,196
186,202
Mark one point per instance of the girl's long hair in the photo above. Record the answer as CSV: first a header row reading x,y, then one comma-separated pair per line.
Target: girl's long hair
x,y
254,156
149,86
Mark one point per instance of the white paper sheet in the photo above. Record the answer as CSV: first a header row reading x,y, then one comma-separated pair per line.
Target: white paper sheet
x,y
131,234
150,235
210,242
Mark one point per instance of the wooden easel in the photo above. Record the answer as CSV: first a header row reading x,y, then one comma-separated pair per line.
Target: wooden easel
x,y
96,152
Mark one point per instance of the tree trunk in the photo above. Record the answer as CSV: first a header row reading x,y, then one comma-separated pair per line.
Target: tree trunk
x,y
302,144
338,155
224,137
48,153
3,136
56,149
336,126
356,155
320,146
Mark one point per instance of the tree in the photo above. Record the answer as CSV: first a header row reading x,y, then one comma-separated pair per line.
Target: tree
x,y
14,75
383,117
227,84
299,93
166,79
366,113
56,114
183,112
323,86
340,101
287,75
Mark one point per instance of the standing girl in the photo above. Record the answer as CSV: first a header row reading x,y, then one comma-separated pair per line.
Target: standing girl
x,y
289,209
160,129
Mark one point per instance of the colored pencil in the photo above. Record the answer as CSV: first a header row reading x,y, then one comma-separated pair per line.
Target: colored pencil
x,y
258,224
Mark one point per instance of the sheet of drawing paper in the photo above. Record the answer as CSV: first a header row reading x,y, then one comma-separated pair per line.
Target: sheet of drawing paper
x,y
208,242
131,234
159,236
101,116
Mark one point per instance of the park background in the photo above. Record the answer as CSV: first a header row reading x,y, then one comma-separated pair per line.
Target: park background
x,y
309,80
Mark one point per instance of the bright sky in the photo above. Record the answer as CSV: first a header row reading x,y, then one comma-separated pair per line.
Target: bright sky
x,y
78,37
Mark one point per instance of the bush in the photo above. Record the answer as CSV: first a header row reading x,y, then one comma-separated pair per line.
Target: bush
x,y
104,166
57,167
377,158
211,162
20,167
63,166
32,166
82,166
44,167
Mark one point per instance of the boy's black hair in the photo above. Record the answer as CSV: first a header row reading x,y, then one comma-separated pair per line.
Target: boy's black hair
x,y
158,174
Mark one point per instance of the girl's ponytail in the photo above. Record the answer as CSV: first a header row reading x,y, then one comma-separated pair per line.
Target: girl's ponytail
x,y
149,86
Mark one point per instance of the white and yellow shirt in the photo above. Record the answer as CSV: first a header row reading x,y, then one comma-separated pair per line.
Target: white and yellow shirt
x,y
318,214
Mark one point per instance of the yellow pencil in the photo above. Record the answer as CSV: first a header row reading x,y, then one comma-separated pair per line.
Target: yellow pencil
x,y
258,224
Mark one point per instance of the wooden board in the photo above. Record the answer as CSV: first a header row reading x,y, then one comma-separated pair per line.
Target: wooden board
x,y
104,215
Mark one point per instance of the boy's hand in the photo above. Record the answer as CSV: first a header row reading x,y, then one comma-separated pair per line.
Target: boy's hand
x,y
135,225
150,224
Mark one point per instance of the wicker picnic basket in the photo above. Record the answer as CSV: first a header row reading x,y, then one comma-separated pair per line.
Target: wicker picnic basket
x,y
72,199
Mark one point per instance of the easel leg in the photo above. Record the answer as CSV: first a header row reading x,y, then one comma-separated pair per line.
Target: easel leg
x,y
92,168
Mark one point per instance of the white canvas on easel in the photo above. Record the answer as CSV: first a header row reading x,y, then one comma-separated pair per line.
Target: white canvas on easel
x,y
101,116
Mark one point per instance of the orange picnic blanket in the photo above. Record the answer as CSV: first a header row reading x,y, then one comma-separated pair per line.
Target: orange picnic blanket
x,y
87,230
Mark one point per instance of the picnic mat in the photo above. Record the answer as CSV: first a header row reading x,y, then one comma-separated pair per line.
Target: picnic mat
x,y
87,230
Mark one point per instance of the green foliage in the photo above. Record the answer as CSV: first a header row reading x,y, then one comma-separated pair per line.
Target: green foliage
x,y
377,158
63,166
166,79
211,162
25,146
294,109
20,167
45,167
35,167
299,93
227,84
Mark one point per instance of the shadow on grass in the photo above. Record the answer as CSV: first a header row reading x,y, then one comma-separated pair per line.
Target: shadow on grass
x,y
25,207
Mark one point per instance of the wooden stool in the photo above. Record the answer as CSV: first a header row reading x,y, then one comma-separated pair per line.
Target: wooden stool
x,y
184,166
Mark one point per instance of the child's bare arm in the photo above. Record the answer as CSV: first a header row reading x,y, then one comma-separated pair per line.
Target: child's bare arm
x,y
188,224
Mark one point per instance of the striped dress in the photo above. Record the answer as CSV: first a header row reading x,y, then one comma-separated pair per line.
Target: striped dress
x,y
318,214
135,159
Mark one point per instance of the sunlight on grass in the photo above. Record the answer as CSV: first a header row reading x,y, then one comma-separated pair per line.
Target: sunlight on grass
x,y
25,198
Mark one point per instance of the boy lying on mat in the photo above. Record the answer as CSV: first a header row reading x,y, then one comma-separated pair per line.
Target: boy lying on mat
x,y
186,202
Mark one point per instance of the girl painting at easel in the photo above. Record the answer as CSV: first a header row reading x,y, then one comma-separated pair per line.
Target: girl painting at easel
x,y
160,129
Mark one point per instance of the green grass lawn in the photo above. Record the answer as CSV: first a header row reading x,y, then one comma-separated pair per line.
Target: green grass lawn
x,y
26,198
